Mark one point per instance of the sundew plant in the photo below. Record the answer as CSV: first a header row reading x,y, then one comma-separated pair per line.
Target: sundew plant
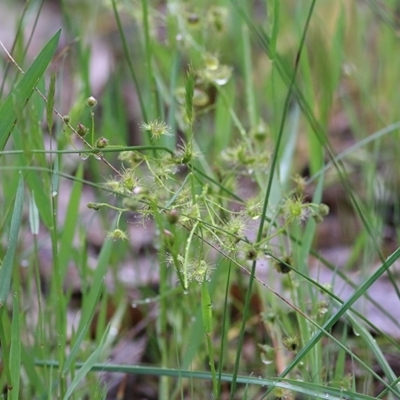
x,y
179,182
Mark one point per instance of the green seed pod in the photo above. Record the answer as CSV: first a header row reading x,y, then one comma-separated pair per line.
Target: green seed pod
x,y
200,98
291,343
94,206
168,237
66,119
193,19
101,143
251,253
172,216
81,130
91,101
282,266
132,203
323,210
260,132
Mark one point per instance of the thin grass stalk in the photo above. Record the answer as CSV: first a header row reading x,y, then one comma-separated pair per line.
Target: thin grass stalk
x,y
129,61
162,320
16,38
224,338
154,103
266,202
248,77
342,310
295,386
58,295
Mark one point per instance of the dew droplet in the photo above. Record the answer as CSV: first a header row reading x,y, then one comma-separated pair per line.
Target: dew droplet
x,y
356,333
221,81
266,360
54,193
84,156
113,331
98,155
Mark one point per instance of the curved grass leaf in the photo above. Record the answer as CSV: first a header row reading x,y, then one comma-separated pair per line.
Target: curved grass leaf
x,y
306,388
8,262
24,89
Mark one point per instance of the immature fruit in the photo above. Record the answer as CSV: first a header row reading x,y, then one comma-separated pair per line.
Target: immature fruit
x,y
101,143
81,130
91,101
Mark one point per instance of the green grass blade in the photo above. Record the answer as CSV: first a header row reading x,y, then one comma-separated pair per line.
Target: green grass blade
x,y
8,262
189,90
84,325
297,386
206,312
91,300
24,89
50,102
15,351
86,367
33,215
71,220
55,178
342,310
129,61
5,339
373,347
267,199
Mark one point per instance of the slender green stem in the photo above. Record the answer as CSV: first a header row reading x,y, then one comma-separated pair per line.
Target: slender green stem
x,y
129,61
59,297
266,201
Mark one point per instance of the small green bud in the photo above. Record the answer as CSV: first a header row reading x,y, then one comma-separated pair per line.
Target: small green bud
x,y
300,183
322,211
101,143
251,253
132,203
270,317
172,216
322,308
211,62
260,132
291,343
200,98
91,101
66,119
94,206
168,237
81,130
117,234
156,128
283,266
193,19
